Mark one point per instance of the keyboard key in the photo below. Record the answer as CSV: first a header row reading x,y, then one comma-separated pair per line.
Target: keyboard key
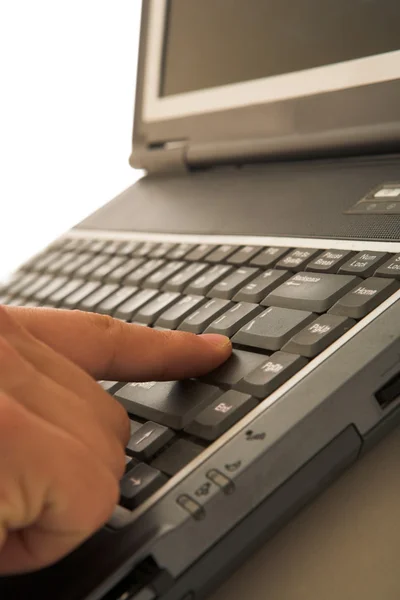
x,y
258,288
127,310
200,252
244,255
227,287
269,256
207,280
297,259
30,303
138,484
59,243
180,251
43,261
90,303
161,250
112,263
145,248
178,282
110,304
134,425
171,403
125,269
74,244
172,317
176,457
38,282
23,281
224,412
318,335
76,263
111,387
197,321
73,300
111,247
329,261
364,263
239,364
127,248
232,320
391,268
159,277
275,371
57,265
130,462
15,302
150,312
144,271
311,291
96,246
273,328
88,268
148,439
53,286
365,297
221,253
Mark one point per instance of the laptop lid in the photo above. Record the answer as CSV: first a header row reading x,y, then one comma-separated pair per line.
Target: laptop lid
x,y
224,81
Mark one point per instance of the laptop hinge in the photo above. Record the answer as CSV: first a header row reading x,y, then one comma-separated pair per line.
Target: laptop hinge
x,y
352,141
160,157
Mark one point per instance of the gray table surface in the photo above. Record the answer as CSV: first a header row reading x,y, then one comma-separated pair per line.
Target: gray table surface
x,y
343,546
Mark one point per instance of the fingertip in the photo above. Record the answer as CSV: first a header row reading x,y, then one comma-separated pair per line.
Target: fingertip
x,y
218,341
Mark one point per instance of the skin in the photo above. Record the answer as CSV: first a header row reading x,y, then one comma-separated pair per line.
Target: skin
x,y
62,437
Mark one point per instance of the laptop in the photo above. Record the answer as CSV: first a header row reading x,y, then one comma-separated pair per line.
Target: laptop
x,y
269,212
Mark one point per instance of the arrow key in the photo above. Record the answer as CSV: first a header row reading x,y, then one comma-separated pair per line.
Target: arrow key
x,y
147,440
138,484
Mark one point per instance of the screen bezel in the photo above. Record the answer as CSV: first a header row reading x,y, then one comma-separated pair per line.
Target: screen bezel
x,y
358,119
360,72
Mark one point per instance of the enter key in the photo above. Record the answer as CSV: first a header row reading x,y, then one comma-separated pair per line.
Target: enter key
x,y
316,292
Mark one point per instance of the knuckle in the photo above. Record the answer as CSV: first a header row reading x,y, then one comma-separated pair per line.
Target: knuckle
x,y
104,323
110,501
122,419
119,460
164,339
112,330
166,336
170,336
116,416
105,502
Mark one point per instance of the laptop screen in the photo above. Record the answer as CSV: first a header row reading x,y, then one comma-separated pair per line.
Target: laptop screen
x,y
212,43
212,55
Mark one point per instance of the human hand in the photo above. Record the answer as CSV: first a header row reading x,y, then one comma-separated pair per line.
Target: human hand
x,y
62,437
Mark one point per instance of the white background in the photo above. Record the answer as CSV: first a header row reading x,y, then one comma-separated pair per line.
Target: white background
x,y
67,84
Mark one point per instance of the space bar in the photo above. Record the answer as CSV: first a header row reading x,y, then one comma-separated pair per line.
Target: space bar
x,y
174,404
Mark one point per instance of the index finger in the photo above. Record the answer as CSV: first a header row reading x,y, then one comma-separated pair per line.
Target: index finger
x,y
111,349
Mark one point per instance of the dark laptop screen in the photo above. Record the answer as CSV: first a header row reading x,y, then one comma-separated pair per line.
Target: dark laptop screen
x,y
210,43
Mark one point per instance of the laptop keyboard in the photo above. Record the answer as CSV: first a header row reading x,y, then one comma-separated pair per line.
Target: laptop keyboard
x,y
280,306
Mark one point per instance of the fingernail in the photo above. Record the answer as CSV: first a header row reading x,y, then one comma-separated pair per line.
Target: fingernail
x,y
216,340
